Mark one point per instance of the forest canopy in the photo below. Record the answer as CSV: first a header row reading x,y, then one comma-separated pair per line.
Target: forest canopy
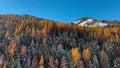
x,y
28,41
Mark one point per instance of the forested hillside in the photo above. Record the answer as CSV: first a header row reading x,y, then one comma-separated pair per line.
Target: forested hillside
x,y
31,42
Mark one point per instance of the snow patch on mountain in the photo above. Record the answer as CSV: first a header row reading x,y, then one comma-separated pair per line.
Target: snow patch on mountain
x,y
76,22
90,23
101,24
86,22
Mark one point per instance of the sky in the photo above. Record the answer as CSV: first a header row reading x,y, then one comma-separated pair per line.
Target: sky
x,y
63,10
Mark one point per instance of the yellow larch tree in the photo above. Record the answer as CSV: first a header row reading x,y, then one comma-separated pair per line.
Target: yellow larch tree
x,y
12,48
75,54
33,31
44,31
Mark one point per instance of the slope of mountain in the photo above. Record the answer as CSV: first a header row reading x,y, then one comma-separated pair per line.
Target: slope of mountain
x,y
32,42
90,22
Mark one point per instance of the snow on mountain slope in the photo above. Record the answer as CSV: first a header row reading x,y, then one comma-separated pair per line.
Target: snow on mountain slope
x,y
76,21
90,22
100,24
84,23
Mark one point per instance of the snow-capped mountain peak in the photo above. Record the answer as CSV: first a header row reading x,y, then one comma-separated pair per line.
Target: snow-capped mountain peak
x,y
90,22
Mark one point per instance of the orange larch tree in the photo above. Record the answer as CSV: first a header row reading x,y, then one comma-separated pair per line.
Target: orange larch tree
x,y
41,62
86,55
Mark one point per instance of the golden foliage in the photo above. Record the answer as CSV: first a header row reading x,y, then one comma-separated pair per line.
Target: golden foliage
x,y
41,62
16,31
33,31
12,48
59,26
44,31
107,32
75,54
86,54
28,29
7,34
115,30
50,25
19,28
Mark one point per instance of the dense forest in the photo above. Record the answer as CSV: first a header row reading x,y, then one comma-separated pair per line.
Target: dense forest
x,y
31,42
